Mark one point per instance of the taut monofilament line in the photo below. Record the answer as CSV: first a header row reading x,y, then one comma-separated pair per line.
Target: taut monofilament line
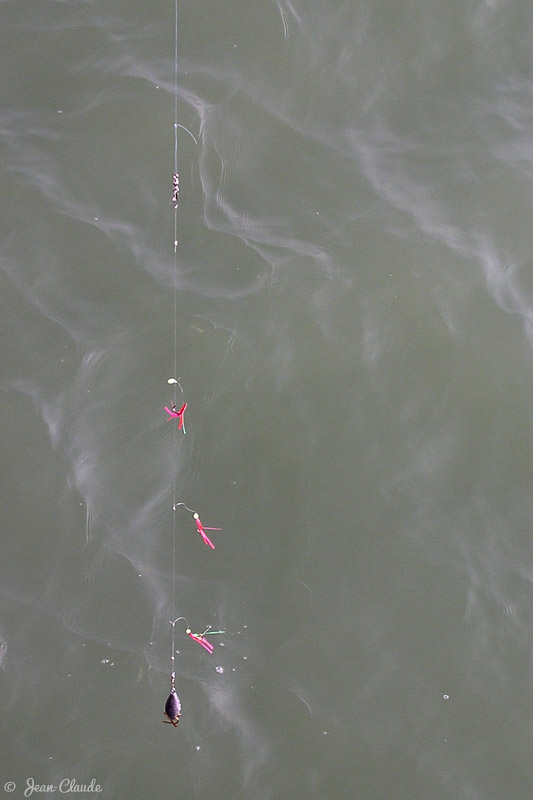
x,y
172,712
173,705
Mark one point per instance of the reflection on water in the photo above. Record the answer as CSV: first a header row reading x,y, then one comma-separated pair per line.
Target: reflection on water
x,y
354,318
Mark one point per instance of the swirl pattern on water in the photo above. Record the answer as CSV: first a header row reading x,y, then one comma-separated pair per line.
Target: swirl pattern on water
x,y
354,328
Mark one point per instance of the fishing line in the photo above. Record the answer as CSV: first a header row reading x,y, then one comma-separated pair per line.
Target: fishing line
x,y
175,199
172,711
173,705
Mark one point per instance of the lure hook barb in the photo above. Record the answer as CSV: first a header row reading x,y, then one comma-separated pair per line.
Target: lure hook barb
x,y
174,507
177,620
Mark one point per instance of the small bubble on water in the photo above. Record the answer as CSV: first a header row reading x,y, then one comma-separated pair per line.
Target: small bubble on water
x,y
220,670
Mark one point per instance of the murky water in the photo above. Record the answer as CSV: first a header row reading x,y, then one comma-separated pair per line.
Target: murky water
x,y
354,327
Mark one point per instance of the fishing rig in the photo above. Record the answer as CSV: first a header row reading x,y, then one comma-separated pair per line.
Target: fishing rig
x,y
172,712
